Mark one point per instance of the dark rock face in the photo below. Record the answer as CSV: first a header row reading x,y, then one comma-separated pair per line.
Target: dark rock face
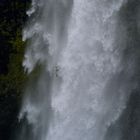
x,y
127,127
8,115
130,119
12,19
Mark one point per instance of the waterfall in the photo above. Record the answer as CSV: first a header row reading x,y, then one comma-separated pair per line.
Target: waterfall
x,y
80,79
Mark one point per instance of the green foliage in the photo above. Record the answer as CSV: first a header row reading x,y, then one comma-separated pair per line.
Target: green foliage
x,y
12,18
15,78
12,76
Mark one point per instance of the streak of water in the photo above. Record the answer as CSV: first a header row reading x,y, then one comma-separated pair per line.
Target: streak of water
x,y
83,86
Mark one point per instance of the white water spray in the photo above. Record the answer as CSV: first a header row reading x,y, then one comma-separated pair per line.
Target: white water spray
x,y
82,88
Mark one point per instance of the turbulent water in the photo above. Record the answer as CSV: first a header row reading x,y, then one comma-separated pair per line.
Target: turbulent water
x,y
81,71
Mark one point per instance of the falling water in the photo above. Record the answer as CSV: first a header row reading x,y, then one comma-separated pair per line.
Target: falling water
x,y
82,81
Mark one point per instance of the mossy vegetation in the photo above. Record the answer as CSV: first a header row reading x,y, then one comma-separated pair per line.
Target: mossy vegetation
x,y
12,76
